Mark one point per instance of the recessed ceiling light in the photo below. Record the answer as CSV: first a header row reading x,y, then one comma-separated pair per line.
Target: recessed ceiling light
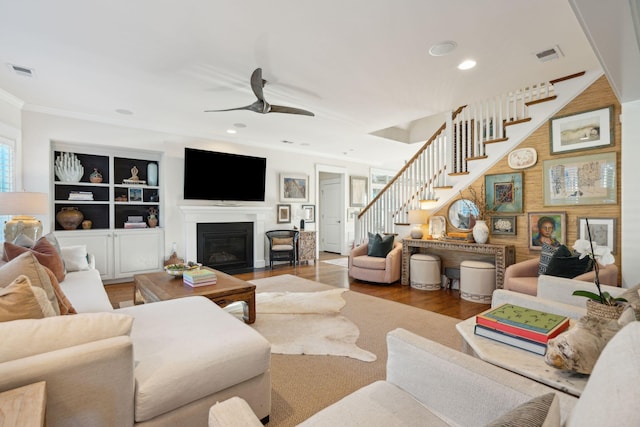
x,y
287,142
240,125
124,111
232,131
467,64
443,48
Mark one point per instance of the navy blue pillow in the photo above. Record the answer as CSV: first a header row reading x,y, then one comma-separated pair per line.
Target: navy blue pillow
x,y
379,246
565,263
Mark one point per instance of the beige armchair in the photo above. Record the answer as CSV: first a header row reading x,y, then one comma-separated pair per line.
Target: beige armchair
x,y
523,276
376,269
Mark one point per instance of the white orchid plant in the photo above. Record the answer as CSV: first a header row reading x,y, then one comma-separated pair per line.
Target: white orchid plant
x,y
601,255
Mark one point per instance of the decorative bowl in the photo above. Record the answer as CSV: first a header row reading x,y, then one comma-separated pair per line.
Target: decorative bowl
x,y
177,269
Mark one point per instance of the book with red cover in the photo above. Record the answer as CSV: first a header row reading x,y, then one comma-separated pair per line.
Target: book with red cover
x,y
524,322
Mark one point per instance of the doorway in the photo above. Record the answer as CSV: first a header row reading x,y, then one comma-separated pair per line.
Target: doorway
x,y
331,194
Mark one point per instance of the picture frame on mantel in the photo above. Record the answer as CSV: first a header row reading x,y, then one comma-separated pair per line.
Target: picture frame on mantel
x,y
582,131
294,187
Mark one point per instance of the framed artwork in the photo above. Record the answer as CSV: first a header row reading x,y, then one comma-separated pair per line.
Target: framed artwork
x,y
501,224
294,187
503,192
603,231
352,214
309,213
284,214
358,191
547,227
135,194
581,180
437,226
582,131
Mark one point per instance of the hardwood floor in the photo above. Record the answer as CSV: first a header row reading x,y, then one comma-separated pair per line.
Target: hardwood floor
x,y
447,302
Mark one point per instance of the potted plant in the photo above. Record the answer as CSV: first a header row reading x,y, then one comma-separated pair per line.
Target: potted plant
x,y
601,304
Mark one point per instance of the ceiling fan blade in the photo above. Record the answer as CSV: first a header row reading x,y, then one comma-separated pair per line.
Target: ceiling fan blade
x,y
258,107
248,107
257,83
289,110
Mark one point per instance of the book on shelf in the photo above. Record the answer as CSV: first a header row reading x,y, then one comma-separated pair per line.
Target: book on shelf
x,y
194,284
135,225
134,182
524,322
80,195
135,218
513,340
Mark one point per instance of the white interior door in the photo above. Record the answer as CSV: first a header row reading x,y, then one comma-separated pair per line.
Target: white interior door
x,y
331,226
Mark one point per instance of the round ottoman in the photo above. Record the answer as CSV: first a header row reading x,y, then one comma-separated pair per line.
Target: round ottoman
x,y
477,281
424,272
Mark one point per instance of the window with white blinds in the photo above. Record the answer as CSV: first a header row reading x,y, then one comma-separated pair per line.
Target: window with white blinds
x,y
7,173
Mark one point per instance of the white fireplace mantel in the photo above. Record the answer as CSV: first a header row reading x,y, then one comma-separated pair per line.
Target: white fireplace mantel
x,y
194,215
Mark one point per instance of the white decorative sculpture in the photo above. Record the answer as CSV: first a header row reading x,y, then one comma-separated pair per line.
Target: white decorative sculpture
x,y
68,168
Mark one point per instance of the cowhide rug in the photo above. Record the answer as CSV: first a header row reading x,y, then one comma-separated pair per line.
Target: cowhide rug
x,y
306,323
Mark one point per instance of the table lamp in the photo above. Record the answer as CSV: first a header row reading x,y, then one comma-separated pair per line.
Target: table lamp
x,y
23,205
418,218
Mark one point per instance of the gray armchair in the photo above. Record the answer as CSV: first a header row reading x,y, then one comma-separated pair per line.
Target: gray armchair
x,y
283,246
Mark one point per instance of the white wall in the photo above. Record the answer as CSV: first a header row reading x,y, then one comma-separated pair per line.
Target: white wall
x,y
40,129
630,202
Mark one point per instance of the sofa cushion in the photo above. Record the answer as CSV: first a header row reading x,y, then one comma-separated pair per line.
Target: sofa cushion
x,y
380,246
189,348
541,411
28,337
565,263
75,258
369,262
27,264
19,300
545,257
86,291
44,251
24,241
282,241
64,305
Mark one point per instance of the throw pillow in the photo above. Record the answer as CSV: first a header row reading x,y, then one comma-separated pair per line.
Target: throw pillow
x,y
282,241
632,295
75,258
28,337
64,305
17,301
24,241
545,257
380,246
28,264
541,411
44,251
568,265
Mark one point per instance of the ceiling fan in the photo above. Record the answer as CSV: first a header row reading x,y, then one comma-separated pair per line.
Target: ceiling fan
x,y
262,106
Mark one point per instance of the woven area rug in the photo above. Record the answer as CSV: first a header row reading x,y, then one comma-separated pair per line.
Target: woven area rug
x,y
306,323
342,262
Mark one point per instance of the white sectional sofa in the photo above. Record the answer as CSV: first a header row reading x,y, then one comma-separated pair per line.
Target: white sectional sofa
x,y
158,364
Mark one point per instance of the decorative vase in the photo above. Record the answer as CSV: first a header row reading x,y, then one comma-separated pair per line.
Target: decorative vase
x,y
96,176
152,174
68,168
596,309
416,232
69,218
481,231
87,224
152,221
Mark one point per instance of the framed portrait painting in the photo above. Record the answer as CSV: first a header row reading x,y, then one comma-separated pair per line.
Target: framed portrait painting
x,y
582,131
547,227
294,187
603,231
284,214
503,192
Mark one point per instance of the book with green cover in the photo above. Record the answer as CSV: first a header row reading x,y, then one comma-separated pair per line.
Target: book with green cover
x,y
199,274
526,318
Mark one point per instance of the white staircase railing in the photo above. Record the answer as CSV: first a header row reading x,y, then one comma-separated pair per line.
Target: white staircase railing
x,y
462,138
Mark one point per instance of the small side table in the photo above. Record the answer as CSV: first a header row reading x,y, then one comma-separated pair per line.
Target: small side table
x,y
307,246
24,406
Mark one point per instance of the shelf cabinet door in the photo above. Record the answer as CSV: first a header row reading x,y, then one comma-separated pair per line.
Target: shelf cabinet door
x,y
99,244
138,251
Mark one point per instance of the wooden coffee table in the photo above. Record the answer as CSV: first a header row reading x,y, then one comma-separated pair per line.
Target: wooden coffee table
x,y
153,287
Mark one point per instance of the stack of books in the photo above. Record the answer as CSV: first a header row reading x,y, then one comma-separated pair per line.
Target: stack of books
x,y
135,222
520,327
455,236
80,195
199,277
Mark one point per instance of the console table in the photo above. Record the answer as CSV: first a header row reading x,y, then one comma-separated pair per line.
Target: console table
x,y
452,253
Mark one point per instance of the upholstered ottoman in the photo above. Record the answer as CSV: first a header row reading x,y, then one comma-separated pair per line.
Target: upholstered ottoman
x,y
477,281
424,272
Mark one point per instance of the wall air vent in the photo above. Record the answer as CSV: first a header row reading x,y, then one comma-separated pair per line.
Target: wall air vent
x,y
549,54
22,71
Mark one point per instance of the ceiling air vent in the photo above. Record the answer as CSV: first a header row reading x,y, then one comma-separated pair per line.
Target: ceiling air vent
x,y
549,54
22,71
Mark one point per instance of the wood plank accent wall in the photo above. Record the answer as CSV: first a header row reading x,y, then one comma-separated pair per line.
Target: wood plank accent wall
x,y
596,96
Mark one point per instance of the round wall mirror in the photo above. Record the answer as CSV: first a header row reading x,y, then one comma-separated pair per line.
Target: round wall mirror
x,y
462,214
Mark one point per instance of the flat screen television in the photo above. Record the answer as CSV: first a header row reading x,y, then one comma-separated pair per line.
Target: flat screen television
x,y
210,175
